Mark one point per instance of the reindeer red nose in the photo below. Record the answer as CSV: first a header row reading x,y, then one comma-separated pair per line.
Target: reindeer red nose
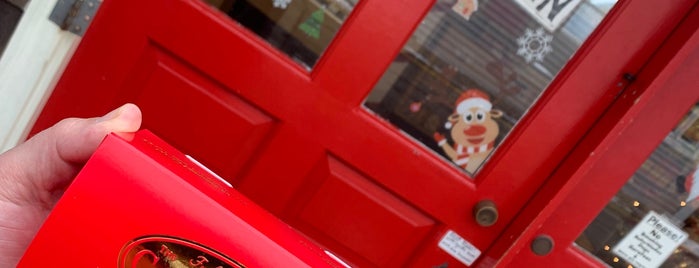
x,y
474,130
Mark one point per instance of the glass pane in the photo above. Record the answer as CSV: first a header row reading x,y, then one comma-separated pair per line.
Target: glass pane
x,y
473,68
657,204
302,29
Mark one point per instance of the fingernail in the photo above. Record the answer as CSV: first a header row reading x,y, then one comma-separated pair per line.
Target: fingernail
x,y
111,115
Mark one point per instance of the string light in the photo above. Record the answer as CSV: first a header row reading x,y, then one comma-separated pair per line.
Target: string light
x,y
630,266
615,259
682,204
636,203
606,247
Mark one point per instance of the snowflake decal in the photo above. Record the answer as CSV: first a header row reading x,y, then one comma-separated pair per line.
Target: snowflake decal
x,y
281,3
534,45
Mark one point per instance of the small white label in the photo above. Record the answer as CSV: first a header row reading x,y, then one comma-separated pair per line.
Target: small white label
x,y
651,242
459,248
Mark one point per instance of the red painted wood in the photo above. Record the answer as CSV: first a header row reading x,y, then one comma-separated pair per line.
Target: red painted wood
x,y
612,151
335,195
229,129
300,144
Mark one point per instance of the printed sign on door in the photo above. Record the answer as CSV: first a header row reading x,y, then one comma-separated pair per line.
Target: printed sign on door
x,y
550,13
651,242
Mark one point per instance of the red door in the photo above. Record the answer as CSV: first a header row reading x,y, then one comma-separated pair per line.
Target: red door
x,y
301,143
635,161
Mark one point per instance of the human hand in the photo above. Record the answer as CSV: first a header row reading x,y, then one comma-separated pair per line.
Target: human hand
x,y
35,174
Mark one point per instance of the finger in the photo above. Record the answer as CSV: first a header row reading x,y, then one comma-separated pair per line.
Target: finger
x,y
49,160
80,137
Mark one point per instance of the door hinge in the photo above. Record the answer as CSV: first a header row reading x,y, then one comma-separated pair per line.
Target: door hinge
x,y
74,15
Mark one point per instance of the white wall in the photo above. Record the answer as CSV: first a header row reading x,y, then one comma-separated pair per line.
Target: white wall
x,y
29,67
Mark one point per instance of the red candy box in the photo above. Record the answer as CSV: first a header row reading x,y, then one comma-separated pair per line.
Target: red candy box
x,y
138,202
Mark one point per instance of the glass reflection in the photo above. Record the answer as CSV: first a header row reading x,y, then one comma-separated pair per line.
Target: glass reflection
x,y
302,29
474,62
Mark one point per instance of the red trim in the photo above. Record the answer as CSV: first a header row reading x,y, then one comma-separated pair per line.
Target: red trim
x,y
365,46
610,153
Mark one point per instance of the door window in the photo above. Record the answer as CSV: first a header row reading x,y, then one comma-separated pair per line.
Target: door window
x,y
473,68
653,220
302,29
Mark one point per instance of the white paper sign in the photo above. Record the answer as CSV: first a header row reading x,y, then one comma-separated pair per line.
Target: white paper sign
x,y
549,13
651,242
459,248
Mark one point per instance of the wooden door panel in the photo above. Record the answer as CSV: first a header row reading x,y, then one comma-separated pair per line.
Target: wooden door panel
x,y
280,169
333,203
201,116
350,211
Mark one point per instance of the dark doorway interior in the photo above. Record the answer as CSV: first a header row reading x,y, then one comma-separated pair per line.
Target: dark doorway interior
x,y
10,13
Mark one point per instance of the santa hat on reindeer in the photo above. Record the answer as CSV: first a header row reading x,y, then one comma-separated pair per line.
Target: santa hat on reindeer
x,y
469,99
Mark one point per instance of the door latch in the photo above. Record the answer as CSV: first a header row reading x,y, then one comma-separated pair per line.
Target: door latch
x,y
74,15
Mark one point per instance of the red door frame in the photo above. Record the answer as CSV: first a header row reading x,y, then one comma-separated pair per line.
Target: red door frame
x,y
346,73
608,155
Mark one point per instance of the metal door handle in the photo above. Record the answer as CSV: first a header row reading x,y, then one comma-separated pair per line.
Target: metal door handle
x,y
485,213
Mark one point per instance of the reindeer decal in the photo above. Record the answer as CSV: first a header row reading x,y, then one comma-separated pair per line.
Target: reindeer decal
x,y
473,130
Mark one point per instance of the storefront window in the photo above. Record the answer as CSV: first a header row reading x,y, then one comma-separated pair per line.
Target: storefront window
x,y
302,29
653,220
473,68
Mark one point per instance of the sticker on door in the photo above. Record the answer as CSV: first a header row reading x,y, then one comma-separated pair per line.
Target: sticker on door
x,y
459,248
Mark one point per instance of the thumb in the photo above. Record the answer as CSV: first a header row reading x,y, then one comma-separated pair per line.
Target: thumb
x,y
48,161
76,139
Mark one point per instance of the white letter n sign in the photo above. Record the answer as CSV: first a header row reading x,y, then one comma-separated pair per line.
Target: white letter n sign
x,y
550,13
